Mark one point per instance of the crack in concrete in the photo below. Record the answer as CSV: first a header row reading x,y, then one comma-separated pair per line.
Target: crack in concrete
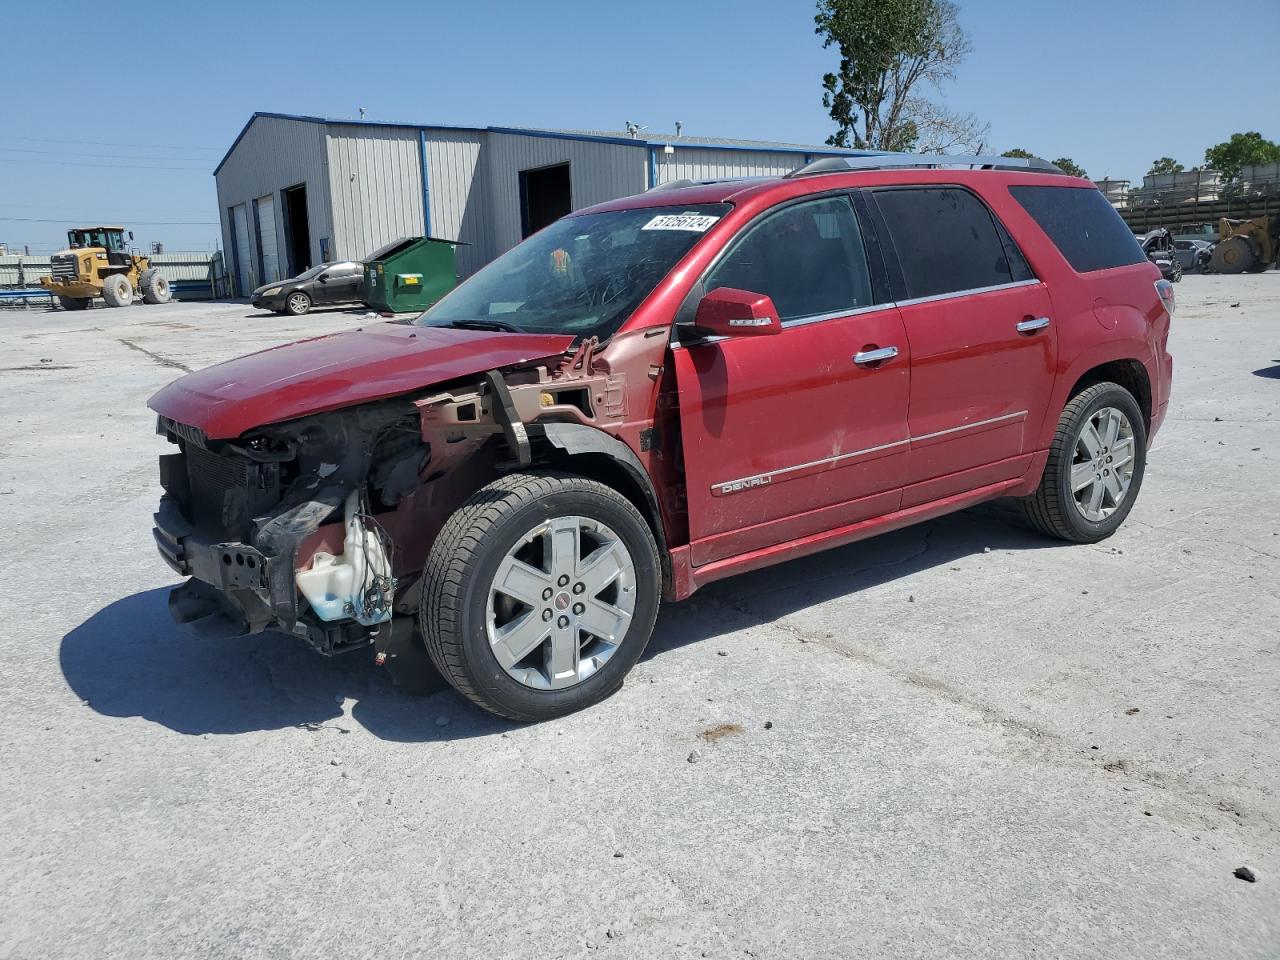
x,y
157,357
1222,541
1052,746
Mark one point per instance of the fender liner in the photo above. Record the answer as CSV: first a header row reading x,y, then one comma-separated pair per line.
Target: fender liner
x,y
575,439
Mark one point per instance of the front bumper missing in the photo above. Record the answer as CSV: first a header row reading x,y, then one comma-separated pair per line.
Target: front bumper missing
x,y
238,571
240,588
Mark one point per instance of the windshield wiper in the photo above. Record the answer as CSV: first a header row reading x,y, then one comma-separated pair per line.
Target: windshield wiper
x,y
485,325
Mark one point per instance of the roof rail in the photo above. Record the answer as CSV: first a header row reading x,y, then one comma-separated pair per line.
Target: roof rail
x,y
908,160
680,184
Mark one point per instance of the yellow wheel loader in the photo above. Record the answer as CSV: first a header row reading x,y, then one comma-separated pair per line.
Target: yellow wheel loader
x,y
96,263
1246,246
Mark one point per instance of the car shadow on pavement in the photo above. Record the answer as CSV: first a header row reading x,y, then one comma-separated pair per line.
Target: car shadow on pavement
x,y
1271,373
768,595
131,660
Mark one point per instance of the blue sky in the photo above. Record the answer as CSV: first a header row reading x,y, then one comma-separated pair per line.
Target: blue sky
x,y
1113,85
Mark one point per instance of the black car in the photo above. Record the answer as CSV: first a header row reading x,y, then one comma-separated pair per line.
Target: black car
x,y
1157,244
327,284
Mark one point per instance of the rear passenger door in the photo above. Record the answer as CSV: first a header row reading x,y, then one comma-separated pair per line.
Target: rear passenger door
x,y
348,282
983,344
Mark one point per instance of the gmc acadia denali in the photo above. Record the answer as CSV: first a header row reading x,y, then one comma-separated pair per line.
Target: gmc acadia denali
x,y
658,392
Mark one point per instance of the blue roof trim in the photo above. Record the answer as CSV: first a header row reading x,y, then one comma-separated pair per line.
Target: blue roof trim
x,y
807,152
557,135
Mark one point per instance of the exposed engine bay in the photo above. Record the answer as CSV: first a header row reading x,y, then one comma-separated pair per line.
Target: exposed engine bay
x,y
319,526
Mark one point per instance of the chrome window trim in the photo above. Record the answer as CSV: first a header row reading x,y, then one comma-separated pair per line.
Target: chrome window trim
x,y
824,317
968,293
834,315
762,479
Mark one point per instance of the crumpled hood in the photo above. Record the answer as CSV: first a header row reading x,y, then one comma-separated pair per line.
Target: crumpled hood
x,y
339,370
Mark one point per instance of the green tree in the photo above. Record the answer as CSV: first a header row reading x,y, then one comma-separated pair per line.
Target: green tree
x,y
1069,166
1242,150
1019,154
888,50
1164,165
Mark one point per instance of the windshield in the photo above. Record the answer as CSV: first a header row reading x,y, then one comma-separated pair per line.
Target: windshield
x,y
108,239
582,275
313,272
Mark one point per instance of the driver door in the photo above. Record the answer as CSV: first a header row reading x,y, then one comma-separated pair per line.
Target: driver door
x,y
791,435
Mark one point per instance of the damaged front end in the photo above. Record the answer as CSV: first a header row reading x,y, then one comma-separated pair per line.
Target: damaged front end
x,y
320,526
278,529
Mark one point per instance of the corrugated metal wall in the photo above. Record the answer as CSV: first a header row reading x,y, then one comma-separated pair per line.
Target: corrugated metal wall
x,y
273,154
694,163
375,182
364,181
459,200
597,172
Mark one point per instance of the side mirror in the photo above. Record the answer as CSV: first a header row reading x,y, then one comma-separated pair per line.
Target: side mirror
x,y
130,234
727,312
323,278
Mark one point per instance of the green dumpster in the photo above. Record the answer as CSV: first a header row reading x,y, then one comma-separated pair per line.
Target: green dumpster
x,y
409,275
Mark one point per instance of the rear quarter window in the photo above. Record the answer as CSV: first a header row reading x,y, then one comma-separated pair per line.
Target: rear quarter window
x,y
1083,225
947,241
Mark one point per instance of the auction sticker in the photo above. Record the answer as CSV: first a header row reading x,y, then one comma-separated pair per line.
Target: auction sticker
x,y
697,222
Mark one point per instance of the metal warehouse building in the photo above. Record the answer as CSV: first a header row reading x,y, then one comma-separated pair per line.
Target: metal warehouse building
x,y
296,191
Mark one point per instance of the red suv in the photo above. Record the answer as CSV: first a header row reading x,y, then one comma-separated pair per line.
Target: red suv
x,y
658,392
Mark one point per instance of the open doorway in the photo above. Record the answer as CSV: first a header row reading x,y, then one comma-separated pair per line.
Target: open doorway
x,y
297,229
544,197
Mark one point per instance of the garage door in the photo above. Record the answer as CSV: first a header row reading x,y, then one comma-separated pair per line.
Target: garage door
x,y
267,239
244,271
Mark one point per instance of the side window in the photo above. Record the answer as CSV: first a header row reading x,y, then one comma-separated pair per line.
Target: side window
x,y
807,257
1083,225
947,241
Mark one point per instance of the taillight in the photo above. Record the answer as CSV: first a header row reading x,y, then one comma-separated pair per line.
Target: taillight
x,y
1165,289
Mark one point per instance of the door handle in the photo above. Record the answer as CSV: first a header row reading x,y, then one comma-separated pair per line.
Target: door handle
x,y
1032,324
875,356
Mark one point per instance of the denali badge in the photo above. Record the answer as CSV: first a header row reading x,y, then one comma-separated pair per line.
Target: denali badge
x,y
737,486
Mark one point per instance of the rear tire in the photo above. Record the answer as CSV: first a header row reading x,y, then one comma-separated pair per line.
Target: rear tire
x,y
74,303
155,288
1233,255
553,539
117,291
1062,506
297,303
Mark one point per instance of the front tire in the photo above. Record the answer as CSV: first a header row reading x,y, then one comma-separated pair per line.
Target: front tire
x,y
540,594
155,288
117,290
297,303
1095,467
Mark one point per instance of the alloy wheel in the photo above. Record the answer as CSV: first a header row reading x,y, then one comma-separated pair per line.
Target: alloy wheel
x,y
1102,466
561,602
